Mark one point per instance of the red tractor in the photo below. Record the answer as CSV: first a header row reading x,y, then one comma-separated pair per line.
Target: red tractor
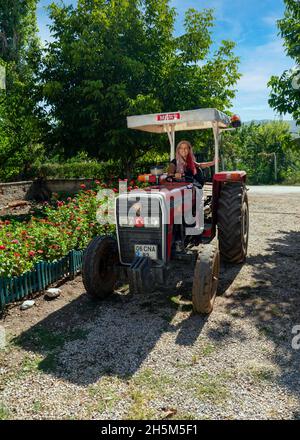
x,y
173,220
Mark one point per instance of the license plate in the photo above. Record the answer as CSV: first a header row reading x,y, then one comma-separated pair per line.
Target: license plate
x,y
146,250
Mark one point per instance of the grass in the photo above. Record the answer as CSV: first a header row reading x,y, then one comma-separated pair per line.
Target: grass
x,y
139,409
30,363
182,415
211,387
42,338
152,381
208,349
4,413
143,388
106,393
183,304
37,406
261,373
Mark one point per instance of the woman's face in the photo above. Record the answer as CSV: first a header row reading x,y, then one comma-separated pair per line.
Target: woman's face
x,y
184,150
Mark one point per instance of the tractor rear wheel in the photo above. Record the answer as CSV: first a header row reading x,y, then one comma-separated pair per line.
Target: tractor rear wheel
x,y
98,270
233,222
206,276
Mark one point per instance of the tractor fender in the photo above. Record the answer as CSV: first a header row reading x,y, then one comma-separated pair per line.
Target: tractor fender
x,y
218,180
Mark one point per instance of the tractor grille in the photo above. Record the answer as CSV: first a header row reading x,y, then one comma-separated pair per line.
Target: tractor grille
x,y
128,237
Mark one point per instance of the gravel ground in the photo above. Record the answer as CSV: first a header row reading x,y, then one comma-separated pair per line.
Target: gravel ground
x,y
149,357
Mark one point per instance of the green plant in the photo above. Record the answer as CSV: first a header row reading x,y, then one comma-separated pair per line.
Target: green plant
x,y
65,225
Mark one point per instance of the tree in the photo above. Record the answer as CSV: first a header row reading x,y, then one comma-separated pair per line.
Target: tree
x,y
111,59
285,90
252,148
20,129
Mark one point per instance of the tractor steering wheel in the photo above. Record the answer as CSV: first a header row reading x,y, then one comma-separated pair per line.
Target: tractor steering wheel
x,y
173,179
189,179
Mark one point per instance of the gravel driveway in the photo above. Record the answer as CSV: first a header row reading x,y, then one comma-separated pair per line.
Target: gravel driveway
x,y
149,357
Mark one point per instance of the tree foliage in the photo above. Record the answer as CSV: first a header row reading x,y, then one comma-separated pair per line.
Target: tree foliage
x,y
20,130
252,149
285,90
111,59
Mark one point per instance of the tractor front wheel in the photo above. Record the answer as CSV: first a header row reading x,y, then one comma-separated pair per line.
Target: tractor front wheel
x,y
233,222
98,270
206,277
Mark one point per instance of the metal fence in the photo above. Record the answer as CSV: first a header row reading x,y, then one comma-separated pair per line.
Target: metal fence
x,y
44,274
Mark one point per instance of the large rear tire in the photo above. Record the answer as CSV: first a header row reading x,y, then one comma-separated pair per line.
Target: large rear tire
x,y
206,277
233,222
98,270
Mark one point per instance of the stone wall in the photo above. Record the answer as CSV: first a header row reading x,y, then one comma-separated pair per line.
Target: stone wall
x,y
10,192
39,190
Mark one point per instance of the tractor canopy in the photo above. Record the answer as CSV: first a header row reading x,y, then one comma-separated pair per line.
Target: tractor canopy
x,y
187,120
182,120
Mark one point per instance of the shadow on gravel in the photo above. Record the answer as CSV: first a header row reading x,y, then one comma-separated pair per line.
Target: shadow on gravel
x,y
87,339
273,302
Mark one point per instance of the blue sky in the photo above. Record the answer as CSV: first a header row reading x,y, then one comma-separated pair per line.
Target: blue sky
x,y
252,25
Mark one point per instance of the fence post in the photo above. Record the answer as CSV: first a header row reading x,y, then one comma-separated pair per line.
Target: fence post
x,y
71,265
2,297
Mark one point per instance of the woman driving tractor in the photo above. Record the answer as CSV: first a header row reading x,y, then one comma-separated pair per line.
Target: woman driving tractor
x,y
185,165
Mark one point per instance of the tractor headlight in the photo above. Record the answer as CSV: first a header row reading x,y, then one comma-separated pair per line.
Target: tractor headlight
x,y
130,222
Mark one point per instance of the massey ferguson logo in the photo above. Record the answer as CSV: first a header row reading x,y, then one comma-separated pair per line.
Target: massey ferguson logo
x,y
168,117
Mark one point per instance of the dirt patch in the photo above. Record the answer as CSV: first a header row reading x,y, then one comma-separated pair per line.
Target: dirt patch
x,y
149,356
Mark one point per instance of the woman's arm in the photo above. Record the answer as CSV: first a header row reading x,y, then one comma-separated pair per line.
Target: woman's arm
x,y
171,169
205,164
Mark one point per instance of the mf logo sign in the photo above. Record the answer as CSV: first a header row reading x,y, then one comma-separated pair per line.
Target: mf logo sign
x,y
2,78
296,338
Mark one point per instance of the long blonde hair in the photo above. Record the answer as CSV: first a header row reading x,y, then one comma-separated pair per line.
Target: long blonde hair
x,y
181,164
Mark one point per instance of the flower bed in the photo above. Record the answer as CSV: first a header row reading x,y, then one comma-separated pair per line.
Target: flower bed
x,y
62,226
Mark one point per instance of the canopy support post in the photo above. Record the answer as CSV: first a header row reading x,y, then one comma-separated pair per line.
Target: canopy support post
x,y
216,131
170,128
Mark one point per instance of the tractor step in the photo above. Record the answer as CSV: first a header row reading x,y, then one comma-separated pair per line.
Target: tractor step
x,y
140,276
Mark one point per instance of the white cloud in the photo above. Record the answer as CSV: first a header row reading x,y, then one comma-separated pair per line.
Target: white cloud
x,y
258,65
271,19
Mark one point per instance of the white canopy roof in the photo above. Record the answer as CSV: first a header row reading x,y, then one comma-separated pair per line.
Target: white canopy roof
x,y
186,120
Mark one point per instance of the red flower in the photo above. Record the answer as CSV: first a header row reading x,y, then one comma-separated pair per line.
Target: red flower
x,y
31,253
15,241
83,186
97,182
7,222
115,190
2,247
40,251
16,254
